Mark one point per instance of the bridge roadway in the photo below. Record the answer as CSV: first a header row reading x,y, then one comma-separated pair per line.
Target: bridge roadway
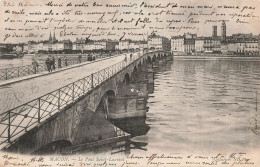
x,y
15,94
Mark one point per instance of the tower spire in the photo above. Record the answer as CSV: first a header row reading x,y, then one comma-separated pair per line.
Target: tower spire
x,y
50,38
54,38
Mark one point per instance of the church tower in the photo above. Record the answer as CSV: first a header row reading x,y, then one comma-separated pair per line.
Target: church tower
x,y
223,31
214,31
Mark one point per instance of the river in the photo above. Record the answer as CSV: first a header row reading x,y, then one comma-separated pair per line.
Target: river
x,y
9,63
199,105
205,106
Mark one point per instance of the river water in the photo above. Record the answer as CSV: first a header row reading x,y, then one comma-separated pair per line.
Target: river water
x,y
9,63
205,106
199,105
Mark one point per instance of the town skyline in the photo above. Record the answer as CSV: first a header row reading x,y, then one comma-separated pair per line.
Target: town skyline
x,y
209,34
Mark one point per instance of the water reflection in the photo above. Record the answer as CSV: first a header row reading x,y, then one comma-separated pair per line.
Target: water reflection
x,y
135,126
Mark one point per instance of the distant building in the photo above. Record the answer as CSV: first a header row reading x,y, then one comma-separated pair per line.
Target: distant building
x,y
199,44
240,46
159,42
32,47
251,46
212,44
214,31
128,44
79,44
106,44
177,43
133,45
223,31
189,45
184,43
143,44
189,42
64,45
231,47
51,45
124,44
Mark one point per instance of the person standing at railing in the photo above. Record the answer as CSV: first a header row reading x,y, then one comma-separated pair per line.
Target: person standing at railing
x,y
125,58
53,63
59,62
48,64
94,57
65,61
80,58
35,66
131,56
89,57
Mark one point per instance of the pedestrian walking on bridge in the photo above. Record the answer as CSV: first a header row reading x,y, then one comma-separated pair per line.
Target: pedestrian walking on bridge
x,y
89,57
35,66
125,58
53,63
59,62
48,64
131,56
80,58
65,61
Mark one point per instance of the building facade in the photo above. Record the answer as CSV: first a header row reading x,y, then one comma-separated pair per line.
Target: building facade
x,y
199,44
124,44
177,44
159,42
189,45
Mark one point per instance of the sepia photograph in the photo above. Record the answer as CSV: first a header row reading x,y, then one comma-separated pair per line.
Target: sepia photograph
x,y
120,83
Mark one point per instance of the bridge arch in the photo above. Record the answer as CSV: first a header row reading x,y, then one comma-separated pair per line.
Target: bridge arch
x,y
154,58
107,104
127,79
149,59
139,66
134,74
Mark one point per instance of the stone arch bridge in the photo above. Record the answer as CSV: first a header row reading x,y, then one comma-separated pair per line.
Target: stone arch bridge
x,y
120,91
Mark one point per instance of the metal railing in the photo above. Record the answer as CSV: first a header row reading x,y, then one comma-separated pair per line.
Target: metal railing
x,y
16,72
23,118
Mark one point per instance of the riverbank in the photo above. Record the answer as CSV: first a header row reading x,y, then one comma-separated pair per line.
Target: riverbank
x,y
219,56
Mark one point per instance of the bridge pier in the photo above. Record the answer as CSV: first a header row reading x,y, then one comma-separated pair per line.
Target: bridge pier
x,y
156,65
162,61
169,57
150,77
130,100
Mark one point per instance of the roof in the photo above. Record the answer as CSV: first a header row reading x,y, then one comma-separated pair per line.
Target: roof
x,y
178,37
